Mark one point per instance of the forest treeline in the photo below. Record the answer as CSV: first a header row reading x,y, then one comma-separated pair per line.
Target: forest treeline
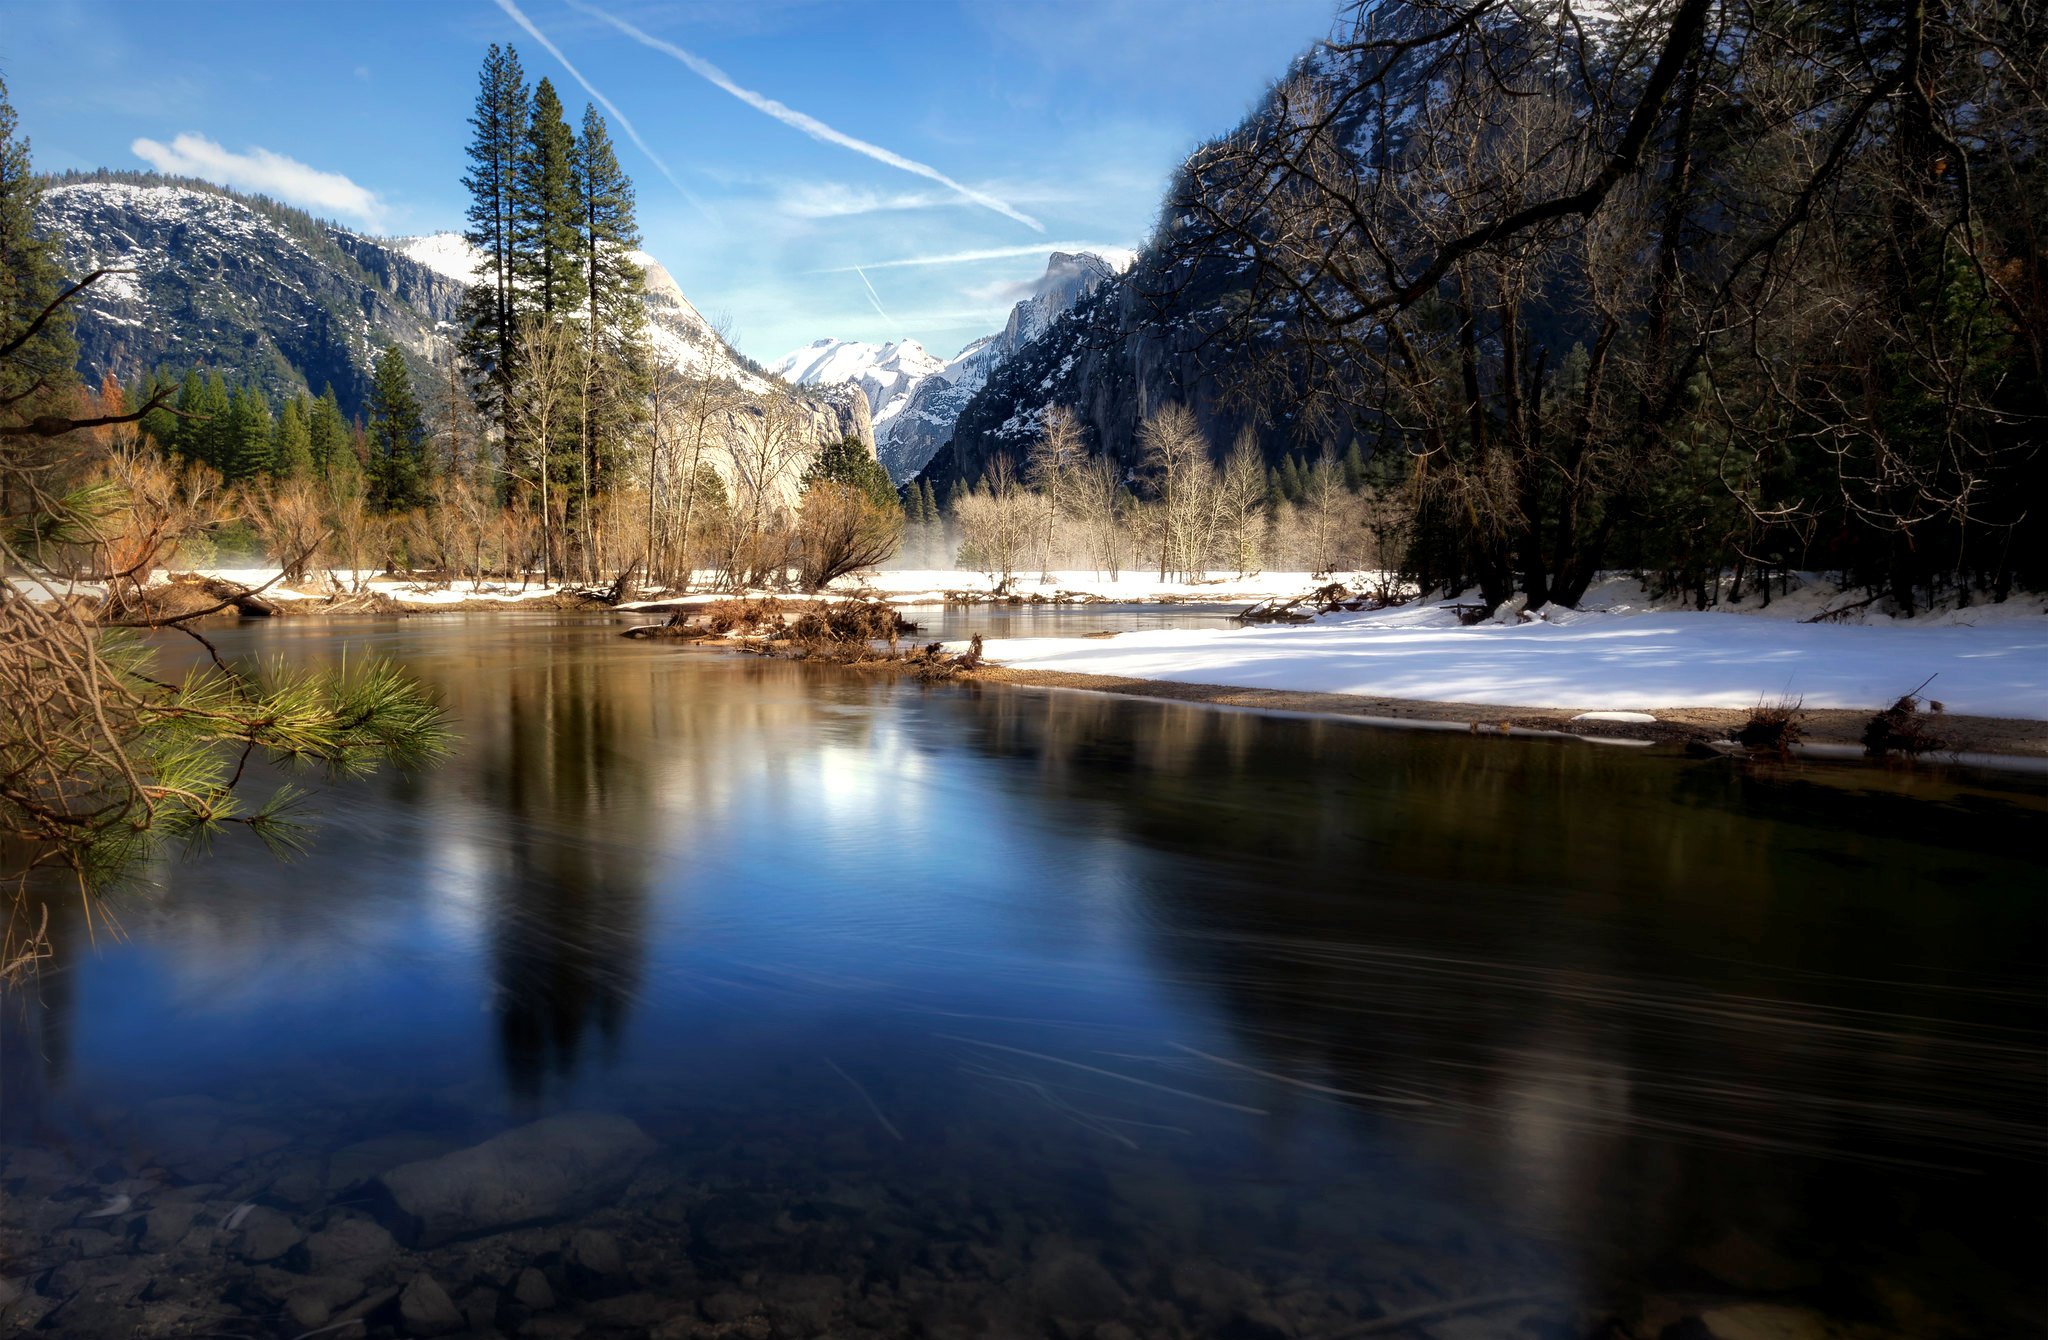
x,y
1694,288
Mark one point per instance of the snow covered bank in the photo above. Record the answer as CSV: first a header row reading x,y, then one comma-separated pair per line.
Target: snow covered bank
x,y
1599,660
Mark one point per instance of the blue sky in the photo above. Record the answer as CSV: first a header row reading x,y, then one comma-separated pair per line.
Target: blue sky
x,y
988,127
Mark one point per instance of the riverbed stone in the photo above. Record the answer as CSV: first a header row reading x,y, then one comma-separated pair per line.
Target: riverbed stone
x,y
267,1235
166,1223
532,1290
424,1307
352,1249
593,1258
545,1170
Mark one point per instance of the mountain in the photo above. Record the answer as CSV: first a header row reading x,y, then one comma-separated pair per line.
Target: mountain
x,y
268,294
1165,329
914,397
886,374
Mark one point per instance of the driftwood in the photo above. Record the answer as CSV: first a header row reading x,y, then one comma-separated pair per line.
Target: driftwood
x,y
1308,607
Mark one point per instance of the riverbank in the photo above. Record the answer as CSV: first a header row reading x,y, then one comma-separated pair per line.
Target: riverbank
x,y
1825,730
1614,671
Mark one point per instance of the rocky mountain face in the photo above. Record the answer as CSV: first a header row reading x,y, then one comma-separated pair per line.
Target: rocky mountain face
x,y
267,294
915,398
1160,332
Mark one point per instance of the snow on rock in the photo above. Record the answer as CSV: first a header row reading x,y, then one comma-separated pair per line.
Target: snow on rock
x,y
885,373
1626,662
914,396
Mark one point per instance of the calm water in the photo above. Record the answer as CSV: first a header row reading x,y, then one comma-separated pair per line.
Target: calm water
x,y
967,1011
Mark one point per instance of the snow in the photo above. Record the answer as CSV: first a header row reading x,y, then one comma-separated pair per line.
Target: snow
x,y
444,253
1619,661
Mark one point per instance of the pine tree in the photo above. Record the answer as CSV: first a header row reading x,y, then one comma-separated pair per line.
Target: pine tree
x,y
29,279
1354,468
244,439
161,426
326,430
615,366
1292,485
545,212
203,428
489,312
291,445
398,463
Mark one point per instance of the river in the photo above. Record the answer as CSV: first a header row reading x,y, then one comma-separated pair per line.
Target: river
x,y
981,1010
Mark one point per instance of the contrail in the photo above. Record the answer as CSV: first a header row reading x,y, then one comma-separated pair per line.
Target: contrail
x,y
964,257
874,297
809,125
626,125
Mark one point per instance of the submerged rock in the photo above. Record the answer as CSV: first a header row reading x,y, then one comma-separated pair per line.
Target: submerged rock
x,y
267,1235
426,1309
545,1170
353,1249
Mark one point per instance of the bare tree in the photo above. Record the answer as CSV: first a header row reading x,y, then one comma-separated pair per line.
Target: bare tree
x,y
1241,501
1052,469
997,520
548,354
1176,461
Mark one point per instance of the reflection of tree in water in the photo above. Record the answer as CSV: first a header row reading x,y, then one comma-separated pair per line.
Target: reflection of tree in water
x,y
1685,1017
570,908
35,1017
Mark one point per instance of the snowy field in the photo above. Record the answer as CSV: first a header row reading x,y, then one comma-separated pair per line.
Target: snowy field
x,y
1625,659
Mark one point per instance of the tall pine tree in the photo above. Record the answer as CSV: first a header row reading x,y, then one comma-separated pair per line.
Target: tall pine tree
x,y
615,365
545,213
489,309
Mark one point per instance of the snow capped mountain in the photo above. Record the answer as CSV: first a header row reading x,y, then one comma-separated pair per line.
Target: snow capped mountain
x,y
220,280
914,397
885,373
268,294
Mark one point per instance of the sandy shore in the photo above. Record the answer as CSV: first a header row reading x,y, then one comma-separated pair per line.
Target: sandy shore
x,y
1831,729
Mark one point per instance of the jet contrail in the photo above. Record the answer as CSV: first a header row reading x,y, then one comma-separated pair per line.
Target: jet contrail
x,y
874,297
963,257
626,125
809,125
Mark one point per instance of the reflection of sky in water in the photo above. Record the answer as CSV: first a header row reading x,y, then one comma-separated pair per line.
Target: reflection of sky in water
x,y
1605,1004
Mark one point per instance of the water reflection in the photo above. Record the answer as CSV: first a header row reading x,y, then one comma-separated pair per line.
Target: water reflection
x,y
1015,1011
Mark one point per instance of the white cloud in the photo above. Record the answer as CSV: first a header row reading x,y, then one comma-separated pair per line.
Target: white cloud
x,y
260,170
835,200
809,125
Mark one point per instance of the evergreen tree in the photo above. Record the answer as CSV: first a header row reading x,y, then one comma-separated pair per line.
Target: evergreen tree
x,y
847,461
1292,485
398,472
326,430
1354,467
546,243
489,308
161,426
29,280
291,446
615,362
202,433
243,437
